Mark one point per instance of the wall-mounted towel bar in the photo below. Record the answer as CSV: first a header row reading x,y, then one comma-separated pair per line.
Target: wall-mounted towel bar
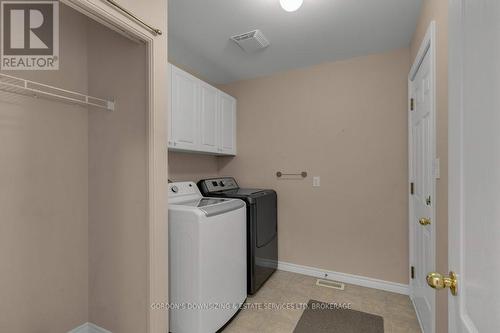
x,y
280,174
20,86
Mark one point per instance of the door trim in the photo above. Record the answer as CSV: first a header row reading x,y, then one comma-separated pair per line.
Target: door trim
x,y
428,46
456,160
157,274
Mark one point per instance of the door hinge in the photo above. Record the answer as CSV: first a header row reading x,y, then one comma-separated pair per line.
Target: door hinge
x,y
412,188
412,104
412,269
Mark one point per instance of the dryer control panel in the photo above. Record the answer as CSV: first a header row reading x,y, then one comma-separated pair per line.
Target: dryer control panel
x,y
218,184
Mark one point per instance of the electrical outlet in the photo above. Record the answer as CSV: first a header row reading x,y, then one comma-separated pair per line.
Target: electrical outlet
x,y
316,181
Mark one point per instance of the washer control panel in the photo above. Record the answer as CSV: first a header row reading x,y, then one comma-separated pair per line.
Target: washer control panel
x,y
182,188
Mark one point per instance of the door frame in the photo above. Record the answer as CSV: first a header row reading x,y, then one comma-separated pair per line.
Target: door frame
x,y
455,157
157,200
428,46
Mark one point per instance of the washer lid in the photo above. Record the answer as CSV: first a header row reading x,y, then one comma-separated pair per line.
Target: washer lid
x,y
222,208
204,202
212,206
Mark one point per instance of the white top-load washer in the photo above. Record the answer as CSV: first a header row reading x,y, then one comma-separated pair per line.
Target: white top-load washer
x,y
207,259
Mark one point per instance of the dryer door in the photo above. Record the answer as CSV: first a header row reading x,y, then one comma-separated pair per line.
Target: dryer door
x,y
267,217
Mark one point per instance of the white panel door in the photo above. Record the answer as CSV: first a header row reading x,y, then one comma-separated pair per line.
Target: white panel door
x,y
474,165
227,114
185,110
422,176
209,118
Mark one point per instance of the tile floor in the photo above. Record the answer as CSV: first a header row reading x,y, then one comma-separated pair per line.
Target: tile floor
x,y
284,287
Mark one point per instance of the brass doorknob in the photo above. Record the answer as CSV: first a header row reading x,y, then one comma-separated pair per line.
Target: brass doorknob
x,y
439,281
424,221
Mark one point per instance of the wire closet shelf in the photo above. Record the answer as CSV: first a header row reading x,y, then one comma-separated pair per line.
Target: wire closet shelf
x,y
20,86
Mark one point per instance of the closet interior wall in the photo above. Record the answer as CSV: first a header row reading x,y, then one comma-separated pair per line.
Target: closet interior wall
x,y
73,190
44,196
118,226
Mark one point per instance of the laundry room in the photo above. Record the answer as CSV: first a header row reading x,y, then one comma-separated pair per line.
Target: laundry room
x,y
310,104
250,166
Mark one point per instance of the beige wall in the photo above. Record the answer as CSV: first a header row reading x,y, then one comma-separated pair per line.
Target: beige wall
x,y
118,238
346,122
191,167
43,197
438,10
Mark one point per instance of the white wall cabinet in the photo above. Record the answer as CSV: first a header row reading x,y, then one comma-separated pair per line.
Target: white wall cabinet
x,y
209,118
184,110
227,114
202,119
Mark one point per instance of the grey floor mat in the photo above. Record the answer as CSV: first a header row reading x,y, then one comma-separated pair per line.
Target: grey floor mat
x,y
329,319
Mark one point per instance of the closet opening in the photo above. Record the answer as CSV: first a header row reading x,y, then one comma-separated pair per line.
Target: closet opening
x,y
78,195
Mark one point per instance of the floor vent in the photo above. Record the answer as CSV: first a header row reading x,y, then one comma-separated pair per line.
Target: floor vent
x,y
330,284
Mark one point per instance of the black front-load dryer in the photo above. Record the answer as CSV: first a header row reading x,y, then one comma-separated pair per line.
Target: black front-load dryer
x,y
262,226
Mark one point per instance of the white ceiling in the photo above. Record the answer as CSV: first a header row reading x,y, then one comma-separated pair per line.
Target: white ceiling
x,y
320,31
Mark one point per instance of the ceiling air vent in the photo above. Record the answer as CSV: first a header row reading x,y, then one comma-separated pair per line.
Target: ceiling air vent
x,y
251,41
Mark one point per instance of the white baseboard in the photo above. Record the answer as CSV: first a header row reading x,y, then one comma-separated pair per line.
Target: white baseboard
x,y
346,278
89,328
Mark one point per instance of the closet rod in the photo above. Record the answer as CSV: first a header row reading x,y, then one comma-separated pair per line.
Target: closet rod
x,y
20,86
154,30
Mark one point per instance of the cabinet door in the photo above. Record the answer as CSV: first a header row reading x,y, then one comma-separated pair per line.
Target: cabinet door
x,y
227,121
185,110
209,122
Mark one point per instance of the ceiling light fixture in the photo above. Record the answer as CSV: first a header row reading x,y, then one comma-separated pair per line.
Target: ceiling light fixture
x,y
291,5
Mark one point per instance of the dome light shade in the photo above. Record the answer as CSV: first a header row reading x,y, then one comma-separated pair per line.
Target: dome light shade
x,y
291,5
